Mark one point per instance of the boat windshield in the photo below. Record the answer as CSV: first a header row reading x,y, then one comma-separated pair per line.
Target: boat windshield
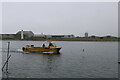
x,y
53,44
47,44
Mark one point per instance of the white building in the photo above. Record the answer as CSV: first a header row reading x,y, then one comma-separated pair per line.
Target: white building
x,y
86,34
25,34
39,35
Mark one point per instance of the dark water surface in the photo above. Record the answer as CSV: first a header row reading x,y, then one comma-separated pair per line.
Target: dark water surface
x,y
98,60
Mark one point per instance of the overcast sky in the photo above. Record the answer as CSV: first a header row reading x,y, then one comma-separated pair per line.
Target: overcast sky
x,y
96,18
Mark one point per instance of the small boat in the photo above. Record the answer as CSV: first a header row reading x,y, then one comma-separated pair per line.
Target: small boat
x,y
48,47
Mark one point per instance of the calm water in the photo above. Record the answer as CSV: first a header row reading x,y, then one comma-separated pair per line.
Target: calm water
x,y
98,60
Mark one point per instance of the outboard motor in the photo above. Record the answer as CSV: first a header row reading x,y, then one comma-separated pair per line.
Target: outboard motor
x,y
23,48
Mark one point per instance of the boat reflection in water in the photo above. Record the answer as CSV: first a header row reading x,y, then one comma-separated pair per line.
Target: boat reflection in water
x,y
51,63
47,48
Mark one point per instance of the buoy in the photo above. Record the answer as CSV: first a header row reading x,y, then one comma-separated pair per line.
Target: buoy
x,y
119,62
83,50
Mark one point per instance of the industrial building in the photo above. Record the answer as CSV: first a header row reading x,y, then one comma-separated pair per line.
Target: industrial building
x,y
86,34
60,36
24,34
7,36
30,35
18,35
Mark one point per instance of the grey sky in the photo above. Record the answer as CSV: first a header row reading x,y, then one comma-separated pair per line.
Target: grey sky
x,y
96,18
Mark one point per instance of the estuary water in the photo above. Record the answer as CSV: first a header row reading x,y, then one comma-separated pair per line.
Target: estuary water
x,y
97,60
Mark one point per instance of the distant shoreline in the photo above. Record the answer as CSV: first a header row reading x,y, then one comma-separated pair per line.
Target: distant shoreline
x,y
66,39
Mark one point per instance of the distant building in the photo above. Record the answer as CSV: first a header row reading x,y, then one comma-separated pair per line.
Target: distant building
x,y
7,36
77,36
30,35
60,36
108,36
93,36
37,36
86,34
26,34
